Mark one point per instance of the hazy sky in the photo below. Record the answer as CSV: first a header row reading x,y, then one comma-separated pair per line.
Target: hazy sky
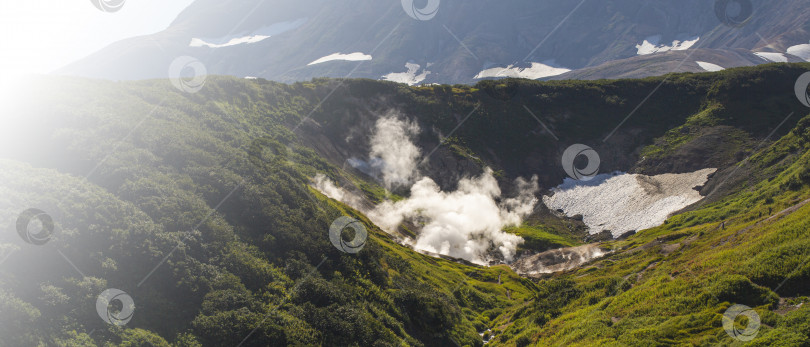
x,y
39,36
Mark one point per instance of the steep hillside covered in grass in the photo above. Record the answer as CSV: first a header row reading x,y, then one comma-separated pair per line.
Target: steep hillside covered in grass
x,y
672,284
200,207
214,239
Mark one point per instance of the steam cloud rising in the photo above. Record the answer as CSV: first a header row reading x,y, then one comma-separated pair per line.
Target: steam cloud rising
x,y
328,188
391,143
467,223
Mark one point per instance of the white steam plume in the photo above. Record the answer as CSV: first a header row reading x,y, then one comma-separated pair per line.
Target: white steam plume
x,y
467,223
328,188
392,144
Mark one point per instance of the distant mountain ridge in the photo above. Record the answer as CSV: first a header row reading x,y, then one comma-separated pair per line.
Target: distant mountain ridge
x,y
462,42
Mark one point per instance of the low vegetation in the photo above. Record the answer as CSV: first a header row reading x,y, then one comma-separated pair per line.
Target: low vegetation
x,y
199,207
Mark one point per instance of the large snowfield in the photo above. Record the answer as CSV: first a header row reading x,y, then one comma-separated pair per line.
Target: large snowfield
x,y
624,202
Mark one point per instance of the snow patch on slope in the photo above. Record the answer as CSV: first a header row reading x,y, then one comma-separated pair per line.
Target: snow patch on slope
x,y
409,77
801,51
195,42
709,66
653,44
536,70
356,56
247,38
772,56
624,202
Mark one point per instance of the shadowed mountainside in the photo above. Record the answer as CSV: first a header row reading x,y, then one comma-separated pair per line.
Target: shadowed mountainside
x,y
460,40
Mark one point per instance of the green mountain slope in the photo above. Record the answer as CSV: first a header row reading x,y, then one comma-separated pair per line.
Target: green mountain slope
x,y
199,207
672,284
260,262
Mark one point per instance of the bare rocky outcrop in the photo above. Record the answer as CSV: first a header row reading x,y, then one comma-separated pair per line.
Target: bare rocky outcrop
x,y
557,260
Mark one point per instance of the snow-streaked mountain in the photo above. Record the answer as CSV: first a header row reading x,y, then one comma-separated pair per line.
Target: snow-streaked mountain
x,y
415,42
